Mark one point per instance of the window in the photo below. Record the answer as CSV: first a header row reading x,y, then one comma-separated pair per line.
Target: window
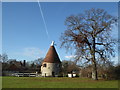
x,y
44,65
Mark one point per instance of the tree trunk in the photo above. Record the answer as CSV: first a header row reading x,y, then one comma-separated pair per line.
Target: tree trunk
x,y
94,72
94,65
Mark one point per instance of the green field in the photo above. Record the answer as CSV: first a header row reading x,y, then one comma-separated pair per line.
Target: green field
x,y
56,82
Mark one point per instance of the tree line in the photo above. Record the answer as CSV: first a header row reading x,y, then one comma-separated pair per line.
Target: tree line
x,y
105,70
19,65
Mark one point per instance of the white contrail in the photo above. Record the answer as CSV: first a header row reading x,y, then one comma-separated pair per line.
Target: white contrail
x,y
43,19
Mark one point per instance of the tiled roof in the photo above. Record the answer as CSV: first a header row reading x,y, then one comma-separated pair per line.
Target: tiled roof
x,y
52,56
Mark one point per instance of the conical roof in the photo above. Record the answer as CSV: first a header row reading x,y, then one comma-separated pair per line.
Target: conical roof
x,y
52,56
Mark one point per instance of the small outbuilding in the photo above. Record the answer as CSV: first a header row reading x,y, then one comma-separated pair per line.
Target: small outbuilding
x,y
73,74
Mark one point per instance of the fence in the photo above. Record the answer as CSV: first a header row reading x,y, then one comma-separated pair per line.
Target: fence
x,y
26,74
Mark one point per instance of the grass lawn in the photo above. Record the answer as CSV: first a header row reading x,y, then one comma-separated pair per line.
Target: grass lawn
x,y
56,82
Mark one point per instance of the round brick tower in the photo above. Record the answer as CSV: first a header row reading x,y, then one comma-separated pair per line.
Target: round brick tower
x,y
51,65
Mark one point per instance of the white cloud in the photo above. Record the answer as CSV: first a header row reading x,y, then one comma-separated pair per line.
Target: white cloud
x,y
30,52
34,52
70,56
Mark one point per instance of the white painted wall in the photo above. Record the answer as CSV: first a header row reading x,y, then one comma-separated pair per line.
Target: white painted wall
x,y
50,67
69,75
72,75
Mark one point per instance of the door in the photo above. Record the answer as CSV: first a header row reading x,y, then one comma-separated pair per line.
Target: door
x,y
53,74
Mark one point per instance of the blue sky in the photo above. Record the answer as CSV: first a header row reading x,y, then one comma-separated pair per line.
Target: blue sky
x,y
23,29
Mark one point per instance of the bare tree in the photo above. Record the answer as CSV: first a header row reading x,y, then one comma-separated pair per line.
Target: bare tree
x,y
38,61
90,36
69,67
4,58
